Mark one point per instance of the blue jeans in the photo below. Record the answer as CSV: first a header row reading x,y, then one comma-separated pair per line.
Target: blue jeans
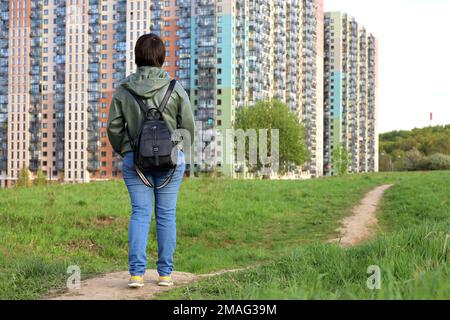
x,y
165,215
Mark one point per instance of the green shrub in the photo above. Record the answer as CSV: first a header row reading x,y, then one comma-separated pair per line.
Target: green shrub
x,y
24,178
40,179
438,161
413,160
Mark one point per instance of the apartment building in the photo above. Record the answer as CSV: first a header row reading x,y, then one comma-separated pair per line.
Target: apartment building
x,y
171,20
350,93
61,62
4,90
230,54
21,134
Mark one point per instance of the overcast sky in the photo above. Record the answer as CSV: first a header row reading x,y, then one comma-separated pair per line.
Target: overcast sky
x,y
414,58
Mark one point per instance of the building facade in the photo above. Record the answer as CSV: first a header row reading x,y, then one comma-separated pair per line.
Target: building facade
x,y
22,73
229,54
283,59
350,93
4,90
61,62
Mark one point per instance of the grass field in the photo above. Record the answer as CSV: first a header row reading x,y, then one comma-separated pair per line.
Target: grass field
x,y
231,223
412,252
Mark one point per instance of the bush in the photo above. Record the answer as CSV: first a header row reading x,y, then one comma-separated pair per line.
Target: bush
x,y
41,179
24,178
437,161
341,161
413,160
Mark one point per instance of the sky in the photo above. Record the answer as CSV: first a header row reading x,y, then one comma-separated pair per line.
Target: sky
x,y
414,58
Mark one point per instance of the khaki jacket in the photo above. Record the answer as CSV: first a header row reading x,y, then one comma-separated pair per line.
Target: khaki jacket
x,y
151,84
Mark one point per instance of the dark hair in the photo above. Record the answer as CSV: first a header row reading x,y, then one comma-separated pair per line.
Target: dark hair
x,y
150,51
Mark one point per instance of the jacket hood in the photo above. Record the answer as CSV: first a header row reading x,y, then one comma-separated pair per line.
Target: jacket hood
x,y
146,81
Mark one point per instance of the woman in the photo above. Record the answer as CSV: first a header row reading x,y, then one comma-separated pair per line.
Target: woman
x,y
151,83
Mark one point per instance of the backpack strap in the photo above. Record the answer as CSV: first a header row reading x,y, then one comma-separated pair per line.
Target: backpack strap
x,y
167,96
149,184
144,107
141,103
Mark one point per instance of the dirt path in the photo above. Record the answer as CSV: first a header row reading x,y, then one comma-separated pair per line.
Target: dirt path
x,y
361,225
113,286
356,228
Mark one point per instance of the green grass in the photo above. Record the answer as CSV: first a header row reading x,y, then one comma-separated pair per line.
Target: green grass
x,y
410,251
222,224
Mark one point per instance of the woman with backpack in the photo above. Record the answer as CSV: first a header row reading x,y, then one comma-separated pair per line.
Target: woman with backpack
x,y
145,111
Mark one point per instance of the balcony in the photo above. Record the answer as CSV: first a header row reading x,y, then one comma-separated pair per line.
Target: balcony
x,y
34,165
92,148
93,165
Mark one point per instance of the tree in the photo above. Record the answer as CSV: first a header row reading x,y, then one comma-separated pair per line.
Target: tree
x,y
24,178
428,141
437,161
407,147
61,177
341,161
40,179
386,163
413,160
273,114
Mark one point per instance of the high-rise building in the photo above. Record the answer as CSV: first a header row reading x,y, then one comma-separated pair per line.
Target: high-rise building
x,y
171,20
350,93
279,53
21,134
240,52
61,62
4,90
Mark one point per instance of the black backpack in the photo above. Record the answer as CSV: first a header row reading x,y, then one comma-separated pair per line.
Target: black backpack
x,y
154,150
